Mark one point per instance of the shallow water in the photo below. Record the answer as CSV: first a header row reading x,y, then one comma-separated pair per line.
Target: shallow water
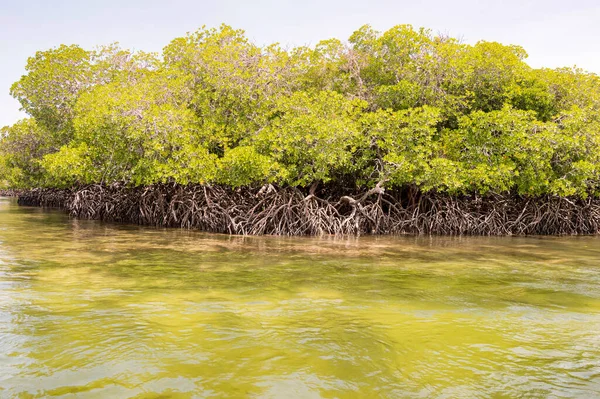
x,y
93,310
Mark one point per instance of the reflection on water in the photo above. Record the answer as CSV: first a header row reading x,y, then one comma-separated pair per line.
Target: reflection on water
x,y
92,310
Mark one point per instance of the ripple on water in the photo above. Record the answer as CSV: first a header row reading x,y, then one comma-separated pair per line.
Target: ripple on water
x,y
93,310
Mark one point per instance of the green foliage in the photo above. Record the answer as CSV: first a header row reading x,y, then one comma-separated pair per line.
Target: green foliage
x,y
576,159
401,108
135,129
68,166
500,151
408,149
234,82
243,165
50,88
312,135
22,146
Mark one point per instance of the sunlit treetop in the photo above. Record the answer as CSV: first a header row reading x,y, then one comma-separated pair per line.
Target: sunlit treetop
x,y
400,108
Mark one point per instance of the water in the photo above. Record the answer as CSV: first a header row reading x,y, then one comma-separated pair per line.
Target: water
x,y
93,310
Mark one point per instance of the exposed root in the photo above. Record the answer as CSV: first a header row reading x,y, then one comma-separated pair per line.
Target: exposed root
x,y
11,193
291,211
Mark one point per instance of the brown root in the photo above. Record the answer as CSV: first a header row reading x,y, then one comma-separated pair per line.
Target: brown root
x,y
11,193
291,211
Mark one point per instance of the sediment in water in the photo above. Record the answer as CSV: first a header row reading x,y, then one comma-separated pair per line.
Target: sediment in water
x,y
293,211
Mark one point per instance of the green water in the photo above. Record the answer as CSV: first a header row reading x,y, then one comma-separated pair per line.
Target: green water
x,y
93,310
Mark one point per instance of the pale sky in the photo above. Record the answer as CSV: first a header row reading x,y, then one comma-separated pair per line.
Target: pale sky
x,y
554,32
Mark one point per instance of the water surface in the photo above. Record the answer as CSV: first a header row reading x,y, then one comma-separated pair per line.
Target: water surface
x,y
93,310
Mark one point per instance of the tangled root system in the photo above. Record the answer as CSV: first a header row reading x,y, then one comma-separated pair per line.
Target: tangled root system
x,y
292,211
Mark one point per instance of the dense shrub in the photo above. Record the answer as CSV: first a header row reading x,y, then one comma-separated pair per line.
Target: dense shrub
x,y
403,108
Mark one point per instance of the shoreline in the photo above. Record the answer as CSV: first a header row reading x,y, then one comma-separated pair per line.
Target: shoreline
x,y
295,212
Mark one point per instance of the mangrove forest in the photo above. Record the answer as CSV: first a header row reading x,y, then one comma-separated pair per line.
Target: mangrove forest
x,y
402,131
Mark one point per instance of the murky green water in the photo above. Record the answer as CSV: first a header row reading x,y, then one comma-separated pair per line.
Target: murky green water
x,y
91,310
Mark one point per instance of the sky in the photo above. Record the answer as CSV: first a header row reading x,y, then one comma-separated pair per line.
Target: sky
x,y
555,33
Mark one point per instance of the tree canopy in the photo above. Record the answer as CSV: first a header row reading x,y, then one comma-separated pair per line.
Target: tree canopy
x,y
402,108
